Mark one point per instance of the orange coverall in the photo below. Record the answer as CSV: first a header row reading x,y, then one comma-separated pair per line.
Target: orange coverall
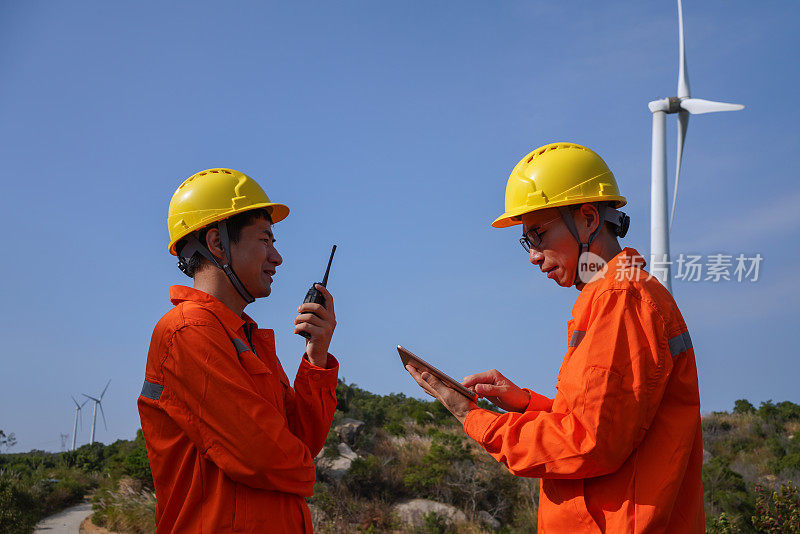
x,y
619,448
230,442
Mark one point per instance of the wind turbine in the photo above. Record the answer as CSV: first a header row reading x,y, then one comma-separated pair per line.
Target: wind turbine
x,y
684,105
97,402
77,414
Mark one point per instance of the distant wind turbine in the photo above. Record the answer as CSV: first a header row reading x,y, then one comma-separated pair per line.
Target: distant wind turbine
x,y
97,402
77,415
684,105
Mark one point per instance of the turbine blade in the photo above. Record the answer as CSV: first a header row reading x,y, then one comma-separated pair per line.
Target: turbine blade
x,y
683,125
683,71
104,389
103,414
90,397
76,402
698,106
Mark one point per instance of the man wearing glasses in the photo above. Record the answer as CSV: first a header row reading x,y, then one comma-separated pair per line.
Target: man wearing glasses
x,y
619,448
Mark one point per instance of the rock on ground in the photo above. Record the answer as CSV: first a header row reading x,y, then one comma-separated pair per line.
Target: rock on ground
x,y
413,512
337,467
346,452
487,519
349,429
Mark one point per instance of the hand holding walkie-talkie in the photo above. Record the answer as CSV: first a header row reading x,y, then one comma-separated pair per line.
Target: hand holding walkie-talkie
x,y
314,295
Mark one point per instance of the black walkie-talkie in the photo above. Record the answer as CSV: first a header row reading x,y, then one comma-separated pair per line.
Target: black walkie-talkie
x,y
314,295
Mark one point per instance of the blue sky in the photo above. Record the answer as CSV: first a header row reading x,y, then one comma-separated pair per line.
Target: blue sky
x,y
388,128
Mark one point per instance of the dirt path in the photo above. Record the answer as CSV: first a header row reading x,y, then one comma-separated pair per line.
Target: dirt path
x,y
65,522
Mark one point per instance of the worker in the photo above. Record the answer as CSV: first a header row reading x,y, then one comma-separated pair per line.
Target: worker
x,y
230,442
619,448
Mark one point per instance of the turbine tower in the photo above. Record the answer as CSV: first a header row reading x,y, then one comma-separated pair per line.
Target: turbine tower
x,y
77,415
97,402
684,105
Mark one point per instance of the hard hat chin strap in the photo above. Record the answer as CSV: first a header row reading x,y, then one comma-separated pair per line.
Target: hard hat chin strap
x,y
615,217
227,268
193,245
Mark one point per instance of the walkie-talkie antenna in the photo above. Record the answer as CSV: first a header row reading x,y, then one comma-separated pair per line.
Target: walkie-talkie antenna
x,y
315,296
328,269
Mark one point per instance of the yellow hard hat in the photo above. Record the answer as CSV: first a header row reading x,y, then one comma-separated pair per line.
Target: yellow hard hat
x,y
213,195
558,174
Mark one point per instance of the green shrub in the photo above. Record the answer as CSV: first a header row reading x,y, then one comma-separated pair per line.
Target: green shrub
x,y
716,427
89,457
778,512
789,411
786,454
725,490
778,414
125,507
395,428
339,507
369,477
331,447
722,524
433,523
743,406
35,485
388,411
61,494
789,463
19,511
136,464
428,477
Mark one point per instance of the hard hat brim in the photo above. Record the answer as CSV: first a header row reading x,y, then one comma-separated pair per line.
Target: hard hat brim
x,y
277,213
514,217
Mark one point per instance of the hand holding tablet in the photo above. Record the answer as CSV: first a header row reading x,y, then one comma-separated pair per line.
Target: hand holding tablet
x,y
408,358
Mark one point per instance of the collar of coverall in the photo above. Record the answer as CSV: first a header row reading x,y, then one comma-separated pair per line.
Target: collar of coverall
x,y
627,258
226,316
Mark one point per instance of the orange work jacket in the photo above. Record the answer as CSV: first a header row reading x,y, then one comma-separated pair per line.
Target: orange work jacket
x,y
230,442
619,448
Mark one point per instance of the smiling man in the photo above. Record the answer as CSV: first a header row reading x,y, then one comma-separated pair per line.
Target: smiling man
x,y
230,442
619,448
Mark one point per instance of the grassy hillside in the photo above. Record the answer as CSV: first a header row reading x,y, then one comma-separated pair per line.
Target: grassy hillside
x,y
36,484
753,455
411,449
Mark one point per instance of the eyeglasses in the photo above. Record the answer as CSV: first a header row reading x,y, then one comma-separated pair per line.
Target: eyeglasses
x,y
532,238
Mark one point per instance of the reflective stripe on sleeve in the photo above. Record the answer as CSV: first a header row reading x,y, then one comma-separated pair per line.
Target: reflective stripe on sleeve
x,y
577,337
680,343
151,390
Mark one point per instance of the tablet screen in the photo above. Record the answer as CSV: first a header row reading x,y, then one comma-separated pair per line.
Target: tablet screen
x,y
409,358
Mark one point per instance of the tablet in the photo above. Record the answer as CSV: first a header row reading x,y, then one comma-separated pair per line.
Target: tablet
x,y
409,358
